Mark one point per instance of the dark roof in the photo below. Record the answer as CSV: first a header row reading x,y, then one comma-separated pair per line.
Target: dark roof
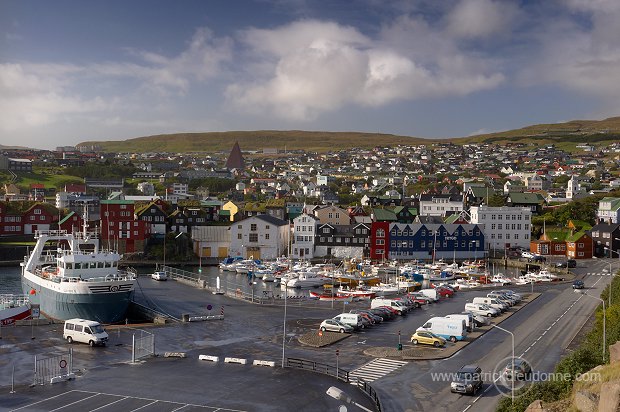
x,y
271,219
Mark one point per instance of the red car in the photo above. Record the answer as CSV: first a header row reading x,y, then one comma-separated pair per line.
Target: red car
x,y
444,292
418,300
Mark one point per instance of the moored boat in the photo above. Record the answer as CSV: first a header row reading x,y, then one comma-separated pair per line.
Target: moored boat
x,y
76,278
13,308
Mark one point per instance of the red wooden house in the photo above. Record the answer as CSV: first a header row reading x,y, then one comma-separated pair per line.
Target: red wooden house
x,y
119,229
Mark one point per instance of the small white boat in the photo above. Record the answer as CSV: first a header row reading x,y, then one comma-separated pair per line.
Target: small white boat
x,y
307,280
385,289
13,308
501,279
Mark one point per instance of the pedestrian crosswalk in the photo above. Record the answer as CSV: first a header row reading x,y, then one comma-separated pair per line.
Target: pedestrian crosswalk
x,y
374,370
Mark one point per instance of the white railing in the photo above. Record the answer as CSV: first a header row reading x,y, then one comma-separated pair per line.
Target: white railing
x,y
10,300
39,233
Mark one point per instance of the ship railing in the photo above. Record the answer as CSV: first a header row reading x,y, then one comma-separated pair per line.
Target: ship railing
x,y
39,233
87,235
8,300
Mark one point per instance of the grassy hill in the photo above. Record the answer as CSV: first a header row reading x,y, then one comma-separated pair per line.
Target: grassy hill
x,y
256,140
564,135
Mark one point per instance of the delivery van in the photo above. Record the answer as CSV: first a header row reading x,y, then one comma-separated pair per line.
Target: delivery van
x,y
492,302
397,305
469,320
431,293
352,319
449,329
85,331
481,309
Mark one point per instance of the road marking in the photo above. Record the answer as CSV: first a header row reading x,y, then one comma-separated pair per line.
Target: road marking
x,y
375,369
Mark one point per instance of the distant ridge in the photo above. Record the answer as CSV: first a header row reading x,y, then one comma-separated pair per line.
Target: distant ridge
x,y
566,135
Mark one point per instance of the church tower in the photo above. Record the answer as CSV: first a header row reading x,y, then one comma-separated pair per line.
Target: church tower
x,y
235,158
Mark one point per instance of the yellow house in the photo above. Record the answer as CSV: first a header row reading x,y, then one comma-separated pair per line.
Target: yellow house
x,y
232,208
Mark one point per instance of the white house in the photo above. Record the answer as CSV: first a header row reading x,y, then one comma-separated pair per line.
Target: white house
x,y
440,205
304,230
609,210
503,227
259,237
574,189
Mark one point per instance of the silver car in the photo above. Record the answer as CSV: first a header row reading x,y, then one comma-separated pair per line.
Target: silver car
x,y
333,325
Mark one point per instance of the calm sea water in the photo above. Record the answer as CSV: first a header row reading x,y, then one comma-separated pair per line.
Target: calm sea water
x,y
10,281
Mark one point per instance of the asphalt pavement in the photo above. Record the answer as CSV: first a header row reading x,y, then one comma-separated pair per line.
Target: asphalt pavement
x,y
542,330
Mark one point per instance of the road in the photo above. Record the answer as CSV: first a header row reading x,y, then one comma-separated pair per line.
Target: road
x,y
542,329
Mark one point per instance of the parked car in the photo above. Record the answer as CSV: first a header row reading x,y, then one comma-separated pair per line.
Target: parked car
x,y
419,295
468,380
521,371
384,313
159,275
373,317
578,284
572,263
427,338
561,265
538,258
333,325
367,320
419,300
527,255
444,292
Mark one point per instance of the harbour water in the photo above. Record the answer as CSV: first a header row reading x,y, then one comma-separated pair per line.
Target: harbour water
x,y
10,281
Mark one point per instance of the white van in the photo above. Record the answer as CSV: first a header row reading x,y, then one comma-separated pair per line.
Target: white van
x,y
352,319
481,309
467,318
398,306
492,302
85,331
449,329
431,293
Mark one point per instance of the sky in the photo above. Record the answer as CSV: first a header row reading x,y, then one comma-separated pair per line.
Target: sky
x,y
74,70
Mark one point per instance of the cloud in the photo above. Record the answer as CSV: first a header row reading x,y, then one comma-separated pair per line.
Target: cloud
x,y
579,57
37,94
310,67
480,18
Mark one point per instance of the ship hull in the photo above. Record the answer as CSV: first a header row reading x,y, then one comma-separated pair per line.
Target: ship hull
x,y
104,307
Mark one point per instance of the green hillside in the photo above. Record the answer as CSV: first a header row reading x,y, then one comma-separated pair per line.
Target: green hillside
x,y
255,140
564,135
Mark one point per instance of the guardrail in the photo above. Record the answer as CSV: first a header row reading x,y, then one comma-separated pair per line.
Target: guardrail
x,y
323,368
370,391
339,373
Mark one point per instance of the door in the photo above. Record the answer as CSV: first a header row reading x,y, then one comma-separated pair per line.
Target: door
x,y
222,252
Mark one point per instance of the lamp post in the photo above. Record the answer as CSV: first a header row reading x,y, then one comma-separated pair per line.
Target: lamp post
x,y
340,395
284,325
512,361
604,322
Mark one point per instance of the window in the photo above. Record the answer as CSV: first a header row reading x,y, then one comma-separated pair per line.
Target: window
x,y
516,236
267,227
492,235
253,237
380,242
266,236
380,233
325,230
330,215
422,244
423,233
337,215
492,217
526,226
37,211
507,236
239,236
239,227
499,235
500,226
322,239
253,227
580,245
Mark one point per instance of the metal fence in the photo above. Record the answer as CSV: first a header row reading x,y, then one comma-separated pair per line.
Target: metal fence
x,y
142,346
370,391
57,367
313,366
336,372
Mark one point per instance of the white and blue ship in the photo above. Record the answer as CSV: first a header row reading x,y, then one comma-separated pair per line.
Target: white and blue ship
x,y
69,276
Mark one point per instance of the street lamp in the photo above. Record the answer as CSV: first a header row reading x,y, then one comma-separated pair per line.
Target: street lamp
x,y
284,325
604,322
340,395
512,376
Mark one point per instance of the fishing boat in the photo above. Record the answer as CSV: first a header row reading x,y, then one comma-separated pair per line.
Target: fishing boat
x,y
13,308
229,263
75,278
359,292
385,289
328,297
